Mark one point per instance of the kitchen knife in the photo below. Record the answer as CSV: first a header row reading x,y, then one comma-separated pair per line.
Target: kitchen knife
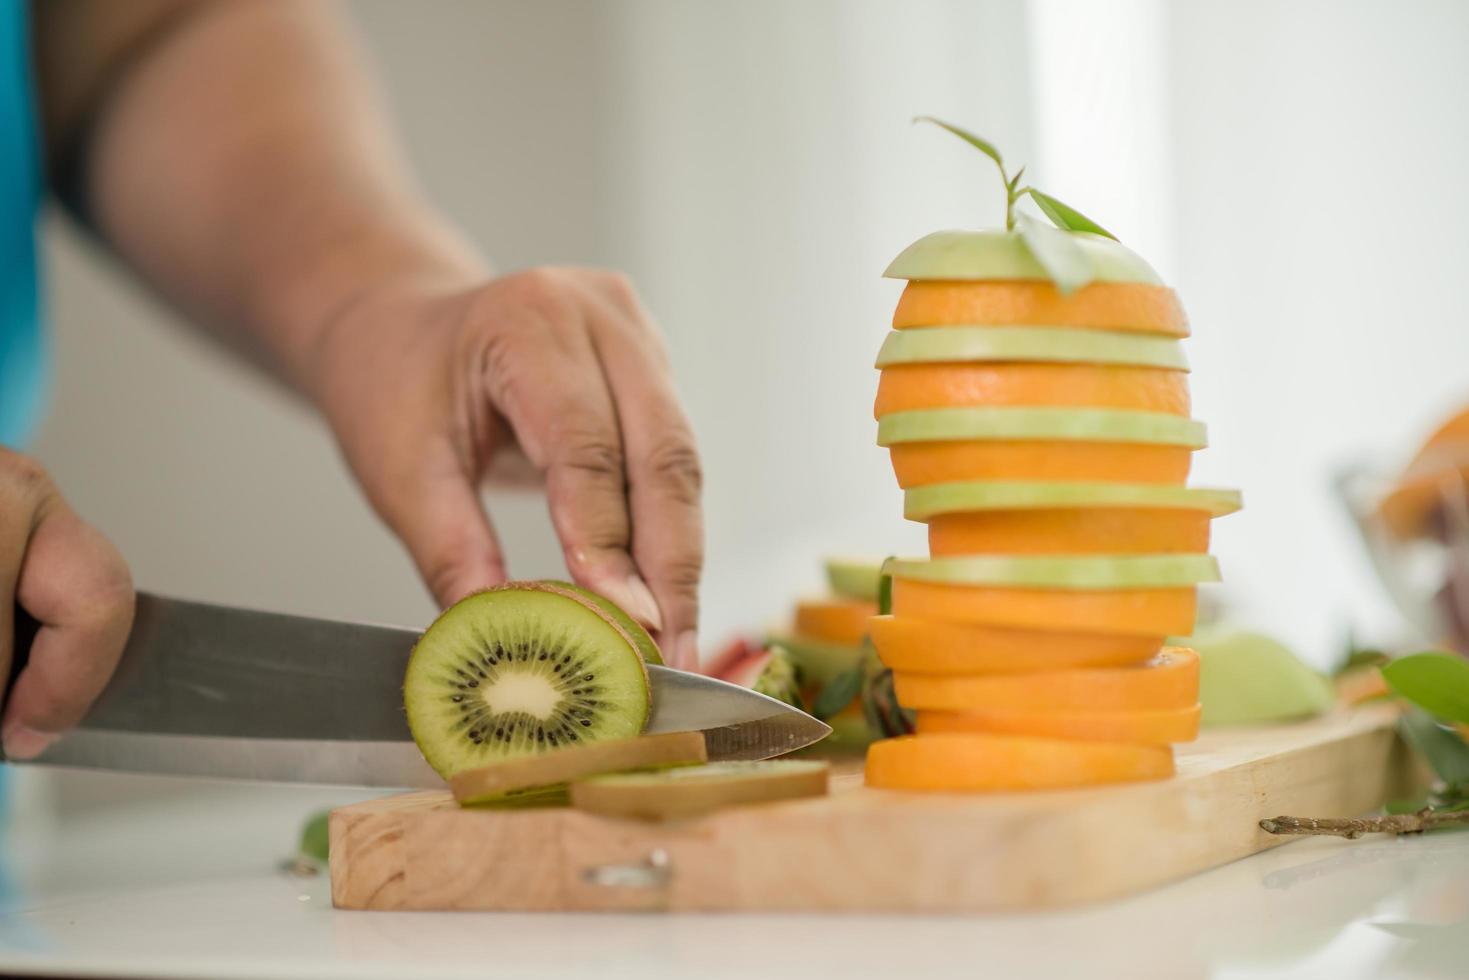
x,y
207,690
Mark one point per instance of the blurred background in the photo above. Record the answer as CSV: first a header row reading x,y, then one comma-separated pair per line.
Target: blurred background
x,y
1295,170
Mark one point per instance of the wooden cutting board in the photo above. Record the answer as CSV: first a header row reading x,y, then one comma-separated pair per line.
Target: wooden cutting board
x,y
862,849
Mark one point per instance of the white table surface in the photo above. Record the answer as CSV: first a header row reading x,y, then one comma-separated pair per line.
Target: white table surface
x,y
189,884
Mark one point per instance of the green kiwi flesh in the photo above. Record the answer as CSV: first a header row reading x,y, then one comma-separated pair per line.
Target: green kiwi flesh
x,y
519,670
640,637
673,794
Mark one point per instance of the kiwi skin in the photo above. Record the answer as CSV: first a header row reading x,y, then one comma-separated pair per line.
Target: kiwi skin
x,y
639,636
429,731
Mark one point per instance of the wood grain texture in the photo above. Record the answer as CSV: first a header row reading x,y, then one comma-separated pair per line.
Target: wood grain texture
x,y
862,849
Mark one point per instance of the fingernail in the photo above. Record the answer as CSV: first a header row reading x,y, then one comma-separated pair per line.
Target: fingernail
x,y
641,605
23,743
686,651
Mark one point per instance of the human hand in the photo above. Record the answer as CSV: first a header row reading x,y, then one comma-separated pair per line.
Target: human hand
x,y
69,578
557,373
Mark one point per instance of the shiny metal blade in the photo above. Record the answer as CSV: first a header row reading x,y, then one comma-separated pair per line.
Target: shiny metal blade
x,y
192,668
737,723
396,765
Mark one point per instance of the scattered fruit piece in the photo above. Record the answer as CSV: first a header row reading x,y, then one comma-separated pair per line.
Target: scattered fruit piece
x,y
818,663
1131,307
1247,678
854,578
1168,681
929,646
1137,612
520,669
967,762
516,778
938,345
1061,424
675,794
838,621
1158,726
911,387
1360,684
1068,572
918,464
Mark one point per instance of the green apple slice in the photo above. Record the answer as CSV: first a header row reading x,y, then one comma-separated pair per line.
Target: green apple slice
x,y
922,503
995,254
817,663
1075,345
1063,572
1248,678
854,578
1080,424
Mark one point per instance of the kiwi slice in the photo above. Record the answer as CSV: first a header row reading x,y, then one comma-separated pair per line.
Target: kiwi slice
x,y
1074,345
518,670
817,662
1063,571
640,636
923,503
677,793
1087,424
543,775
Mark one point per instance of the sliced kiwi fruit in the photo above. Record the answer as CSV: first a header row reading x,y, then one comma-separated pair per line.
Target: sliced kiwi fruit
x,y
640,636
674,794
540,776
996,254
1082,424
1063,572
1072,345
817,663
854,578
519,670
922,503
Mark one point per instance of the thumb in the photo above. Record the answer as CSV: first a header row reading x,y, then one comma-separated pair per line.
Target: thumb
x,y
435,510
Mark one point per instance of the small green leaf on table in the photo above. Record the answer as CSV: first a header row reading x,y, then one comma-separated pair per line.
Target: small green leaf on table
x,y
1446,753
839,692
1436,682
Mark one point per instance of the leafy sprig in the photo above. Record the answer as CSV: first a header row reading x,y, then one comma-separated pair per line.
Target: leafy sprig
x,y
1062,215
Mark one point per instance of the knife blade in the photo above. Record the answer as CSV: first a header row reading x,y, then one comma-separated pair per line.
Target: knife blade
x,y
216,691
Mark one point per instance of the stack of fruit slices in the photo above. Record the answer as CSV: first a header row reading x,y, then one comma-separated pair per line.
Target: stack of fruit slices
x,y
1044,437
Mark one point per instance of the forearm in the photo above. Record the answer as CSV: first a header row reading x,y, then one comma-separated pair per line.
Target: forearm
x,y
241,165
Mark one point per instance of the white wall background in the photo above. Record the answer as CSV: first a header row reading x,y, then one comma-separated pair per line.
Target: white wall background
x,y
1297,168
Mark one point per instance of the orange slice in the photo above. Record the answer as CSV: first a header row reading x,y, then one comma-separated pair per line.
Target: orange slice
x,y
1102,305
1170,680
1151,727
930,646
842,621
922,463
904,387
1076,531
992,763
1136,612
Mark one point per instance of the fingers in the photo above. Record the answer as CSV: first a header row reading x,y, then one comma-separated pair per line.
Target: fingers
x,y
433,506
543,376
75,583
663,470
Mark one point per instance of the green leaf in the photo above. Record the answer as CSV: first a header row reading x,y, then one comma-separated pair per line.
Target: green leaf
x,y
1065,216
839,692
885,586
1436,682
1014,183
1064,261
1445,751
979,143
